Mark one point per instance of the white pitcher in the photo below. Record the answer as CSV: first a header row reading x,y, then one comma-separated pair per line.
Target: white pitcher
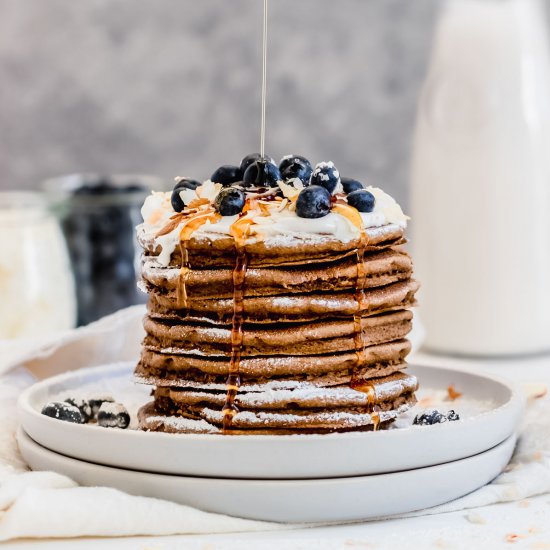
x,y
481,181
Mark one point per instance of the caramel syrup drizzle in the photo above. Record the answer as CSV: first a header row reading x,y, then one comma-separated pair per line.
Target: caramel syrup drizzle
x,y
356,382
188,228
239,231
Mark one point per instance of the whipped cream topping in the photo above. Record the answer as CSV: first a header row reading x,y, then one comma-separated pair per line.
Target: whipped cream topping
x,y
275,220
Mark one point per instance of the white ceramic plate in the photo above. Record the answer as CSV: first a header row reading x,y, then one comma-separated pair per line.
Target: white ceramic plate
x,y
490,410
296,501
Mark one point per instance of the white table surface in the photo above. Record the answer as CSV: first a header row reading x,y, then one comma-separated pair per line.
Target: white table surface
x,y
523,524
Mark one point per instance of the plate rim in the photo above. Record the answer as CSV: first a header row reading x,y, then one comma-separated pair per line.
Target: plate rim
x,y
22,434
24,406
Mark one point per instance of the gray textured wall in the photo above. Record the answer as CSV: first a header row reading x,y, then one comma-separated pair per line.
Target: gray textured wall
x,y
172,86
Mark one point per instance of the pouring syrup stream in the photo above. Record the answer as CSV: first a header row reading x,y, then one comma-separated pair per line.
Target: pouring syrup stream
x,y
264,81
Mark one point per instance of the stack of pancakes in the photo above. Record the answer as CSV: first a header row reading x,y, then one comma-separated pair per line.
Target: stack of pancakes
x,y
299,368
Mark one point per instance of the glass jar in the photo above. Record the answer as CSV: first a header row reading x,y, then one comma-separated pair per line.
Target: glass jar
x,y
98,215
36,286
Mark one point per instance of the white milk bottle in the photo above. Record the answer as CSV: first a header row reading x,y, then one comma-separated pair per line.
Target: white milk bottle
x,y
481,181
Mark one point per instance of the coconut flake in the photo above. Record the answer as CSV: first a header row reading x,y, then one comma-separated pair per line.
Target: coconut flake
x,y
289,191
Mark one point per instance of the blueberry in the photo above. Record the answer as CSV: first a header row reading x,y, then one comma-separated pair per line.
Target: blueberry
x,y
230,201
349,185
429,417
113,415
63,411
452,416
82,406
227,174
187,183
253,157
313,202
96,401
326,175
295,166
361,199
248,160
183,183
177,202
288,160
262,173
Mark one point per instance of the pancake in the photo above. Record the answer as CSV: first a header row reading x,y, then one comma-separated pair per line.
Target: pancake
x,y
165,360
195,379
150,419
381,269
304,396
321,337
206,250
297,307
265,322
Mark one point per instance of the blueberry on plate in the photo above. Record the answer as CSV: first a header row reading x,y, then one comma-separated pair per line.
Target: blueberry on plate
x,y
430,417
183,183
326,175
262,173
295,166
82,406
452,416
230,201
313,202
63,411
96,401
113,415
227,175
349,185
362,199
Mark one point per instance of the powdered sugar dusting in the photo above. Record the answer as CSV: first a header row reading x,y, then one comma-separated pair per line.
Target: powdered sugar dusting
x,y
326,418
308,394
182,424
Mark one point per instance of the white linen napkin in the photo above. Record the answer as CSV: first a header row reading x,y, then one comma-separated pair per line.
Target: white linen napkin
x,y
116,337
45,504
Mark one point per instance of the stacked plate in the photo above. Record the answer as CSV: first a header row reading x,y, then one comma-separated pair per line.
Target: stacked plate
x,y
295,478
